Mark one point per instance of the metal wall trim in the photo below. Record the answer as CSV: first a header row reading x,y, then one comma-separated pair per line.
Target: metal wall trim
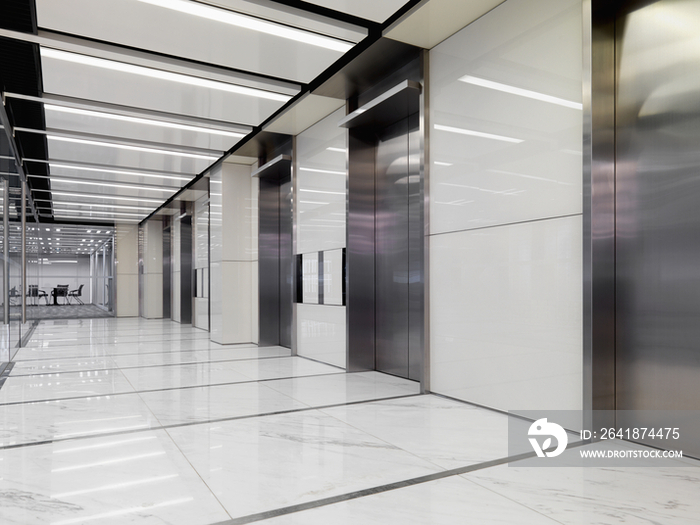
x,y
598,206
6,252
424,138
24,251
297,285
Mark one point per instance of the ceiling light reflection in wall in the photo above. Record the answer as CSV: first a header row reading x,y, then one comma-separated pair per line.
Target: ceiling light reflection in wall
x,y
139,120
254,24
314,170
159,74
480,134
131,148
490,84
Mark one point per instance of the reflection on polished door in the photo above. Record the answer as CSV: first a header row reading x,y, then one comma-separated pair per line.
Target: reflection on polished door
x,y
657,218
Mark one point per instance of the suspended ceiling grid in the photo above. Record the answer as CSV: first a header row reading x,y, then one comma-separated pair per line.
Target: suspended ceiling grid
x,y
128,101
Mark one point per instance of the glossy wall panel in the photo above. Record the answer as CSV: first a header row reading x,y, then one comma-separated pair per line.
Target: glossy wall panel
x,y
127,267
506,117
505,211
506,315
233,201
321,217
269,263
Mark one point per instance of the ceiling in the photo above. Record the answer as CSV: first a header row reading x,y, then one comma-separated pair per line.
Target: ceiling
x,y
116,106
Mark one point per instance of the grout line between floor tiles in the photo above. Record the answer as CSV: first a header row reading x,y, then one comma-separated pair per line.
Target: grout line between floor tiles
x,y
204,422
95,396
260,516
117,367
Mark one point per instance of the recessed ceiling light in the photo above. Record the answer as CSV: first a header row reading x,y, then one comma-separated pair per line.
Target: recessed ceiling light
x,y
139,120
255,24
118,172
161,75
131,148
103,197
110,185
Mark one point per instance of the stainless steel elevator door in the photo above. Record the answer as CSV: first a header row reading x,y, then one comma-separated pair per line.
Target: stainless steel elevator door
x,y
391,250
658,208
286,265
269,263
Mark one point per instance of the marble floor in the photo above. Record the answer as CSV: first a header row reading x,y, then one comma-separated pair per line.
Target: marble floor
x,y
115,421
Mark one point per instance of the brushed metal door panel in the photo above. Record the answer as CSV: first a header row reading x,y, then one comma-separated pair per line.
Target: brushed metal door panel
x,y
286,274
391,250
658,217
268,263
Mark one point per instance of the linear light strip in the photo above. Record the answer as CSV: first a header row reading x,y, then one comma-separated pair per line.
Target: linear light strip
x,y
97,196
490,84
120,213
131,148
115,206
118,172
477,134
254,24
68,180
138,120
159,74
106,219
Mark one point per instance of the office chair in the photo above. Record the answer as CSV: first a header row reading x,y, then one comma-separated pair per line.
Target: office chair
x,y
76,294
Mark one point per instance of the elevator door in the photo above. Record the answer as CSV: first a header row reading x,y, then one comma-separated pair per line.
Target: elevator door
x,y
397,216
658,203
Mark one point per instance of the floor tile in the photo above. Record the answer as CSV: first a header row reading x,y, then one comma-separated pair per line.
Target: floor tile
x,y
258,464
63,385
64,419
139,478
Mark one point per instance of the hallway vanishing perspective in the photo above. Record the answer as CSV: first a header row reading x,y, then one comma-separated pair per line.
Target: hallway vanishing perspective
x,y
116,421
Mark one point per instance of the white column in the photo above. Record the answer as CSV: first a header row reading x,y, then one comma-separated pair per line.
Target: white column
x,y
153,270
234,285
126,252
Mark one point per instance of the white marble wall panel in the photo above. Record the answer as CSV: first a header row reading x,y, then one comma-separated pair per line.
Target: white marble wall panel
x,y
126,253
506,183
175,313
152,290
333,277
321,185
322,333
506,117
233,238
321,179
200,316
506,309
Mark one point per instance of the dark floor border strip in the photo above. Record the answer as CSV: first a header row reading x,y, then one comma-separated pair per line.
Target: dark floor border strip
x,y
96,396
203,422
150,366
251,518
134,353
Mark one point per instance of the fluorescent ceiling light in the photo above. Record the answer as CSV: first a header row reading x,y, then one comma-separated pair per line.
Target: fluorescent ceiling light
x,y
110,197
119,172
489,84
86,205
131,148
90,212
255,24
109,184
314,170
161,75
139,120
106,219
477,134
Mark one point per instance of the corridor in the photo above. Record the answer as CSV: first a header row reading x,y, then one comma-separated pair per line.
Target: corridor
x,y
115,421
